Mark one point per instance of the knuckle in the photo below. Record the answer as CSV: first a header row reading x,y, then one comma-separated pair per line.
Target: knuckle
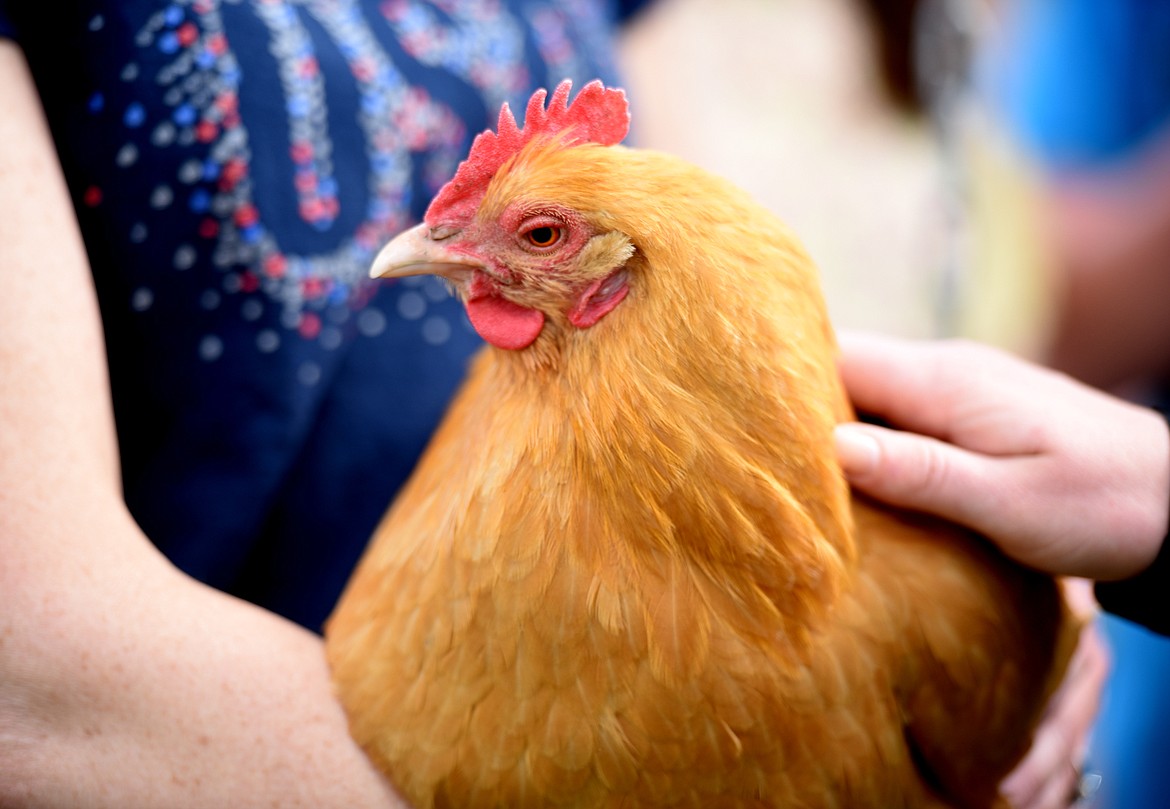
x,y
934,473
972,361
963,352
919,473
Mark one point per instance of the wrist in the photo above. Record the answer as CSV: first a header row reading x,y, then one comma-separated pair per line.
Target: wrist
x,y
1142,596
1141,538
1158,532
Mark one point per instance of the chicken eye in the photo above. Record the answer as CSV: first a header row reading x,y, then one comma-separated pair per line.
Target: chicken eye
x,y
544,236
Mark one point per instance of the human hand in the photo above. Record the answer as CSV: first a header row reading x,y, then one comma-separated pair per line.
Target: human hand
x,y
1051,775
1062,477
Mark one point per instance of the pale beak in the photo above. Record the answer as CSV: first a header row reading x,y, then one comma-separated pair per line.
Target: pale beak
x,y
414,252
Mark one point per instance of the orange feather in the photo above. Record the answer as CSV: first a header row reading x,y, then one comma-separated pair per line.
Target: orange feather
x,y
628,571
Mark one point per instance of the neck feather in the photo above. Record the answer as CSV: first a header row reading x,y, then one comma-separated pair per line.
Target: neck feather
x,y
693,425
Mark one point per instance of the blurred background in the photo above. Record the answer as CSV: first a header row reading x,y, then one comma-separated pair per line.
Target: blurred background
x,y
994,169
817,108
785,99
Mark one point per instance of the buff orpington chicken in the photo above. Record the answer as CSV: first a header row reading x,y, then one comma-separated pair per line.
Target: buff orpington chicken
x,y
627,572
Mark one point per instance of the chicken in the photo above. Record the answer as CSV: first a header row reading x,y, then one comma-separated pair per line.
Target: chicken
x,y
627,571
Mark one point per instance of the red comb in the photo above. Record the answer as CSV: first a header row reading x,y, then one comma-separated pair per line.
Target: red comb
x,y
597,115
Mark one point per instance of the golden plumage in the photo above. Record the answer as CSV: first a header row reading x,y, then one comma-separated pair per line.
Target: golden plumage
x,y
628,571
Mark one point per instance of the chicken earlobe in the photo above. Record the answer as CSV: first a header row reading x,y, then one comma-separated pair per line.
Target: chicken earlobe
x,y
599,299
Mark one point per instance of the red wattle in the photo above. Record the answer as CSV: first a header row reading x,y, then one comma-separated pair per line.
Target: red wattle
x,y
504,324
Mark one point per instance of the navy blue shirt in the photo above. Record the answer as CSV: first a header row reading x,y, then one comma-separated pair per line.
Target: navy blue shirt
x,y
235,166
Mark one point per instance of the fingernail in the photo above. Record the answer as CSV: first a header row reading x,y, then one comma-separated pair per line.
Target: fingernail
x,y
857,450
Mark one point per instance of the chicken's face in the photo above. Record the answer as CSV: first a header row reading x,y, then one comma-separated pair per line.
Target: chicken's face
x,y
518,265
520,259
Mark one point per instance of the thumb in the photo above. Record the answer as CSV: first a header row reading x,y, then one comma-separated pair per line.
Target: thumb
x,y
910,470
